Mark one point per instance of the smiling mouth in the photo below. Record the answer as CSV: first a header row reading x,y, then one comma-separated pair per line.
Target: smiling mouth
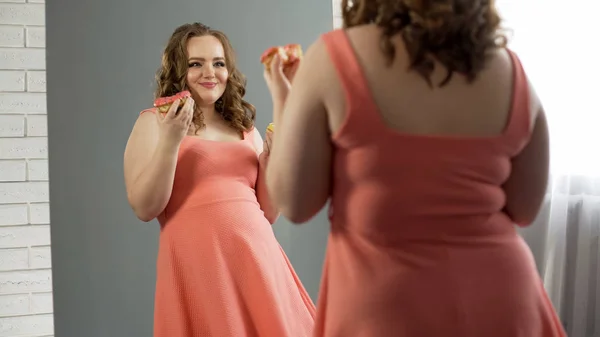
x,y
208,85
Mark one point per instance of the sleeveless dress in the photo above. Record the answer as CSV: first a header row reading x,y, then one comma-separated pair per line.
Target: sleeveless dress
x,y
220,271
419,244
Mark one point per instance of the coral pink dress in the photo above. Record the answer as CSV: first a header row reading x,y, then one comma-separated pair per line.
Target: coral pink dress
x,y
419,245
220,270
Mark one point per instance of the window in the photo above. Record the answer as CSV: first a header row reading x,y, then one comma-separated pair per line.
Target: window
x,y
555,44
337,14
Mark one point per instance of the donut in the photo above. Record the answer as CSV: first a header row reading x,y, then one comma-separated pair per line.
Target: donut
x,y
293,52
290,54
164,103
267,56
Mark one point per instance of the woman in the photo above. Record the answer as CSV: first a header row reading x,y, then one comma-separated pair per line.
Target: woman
x,y
422,128
220,269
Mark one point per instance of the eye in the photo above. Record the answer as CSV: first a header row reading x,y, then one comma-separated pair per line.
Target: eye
x,y
194,64
220,64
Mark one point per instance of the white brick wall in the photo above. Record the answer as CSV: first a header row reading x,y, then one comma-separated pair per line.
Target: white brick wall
x,y
25,261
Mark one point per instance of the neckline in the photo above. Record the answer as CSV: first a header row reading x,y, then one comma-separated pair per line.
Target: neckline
x,y
215,141
388,131
244,137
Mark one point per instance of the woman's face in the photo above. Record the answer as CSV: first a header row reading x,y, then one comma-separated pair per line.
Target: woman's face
x,y
207,73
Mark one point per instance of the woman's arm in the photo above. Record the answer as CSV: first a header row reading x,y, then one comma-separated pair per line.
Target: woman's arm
x,y
299,170
526,187
149,165
262,194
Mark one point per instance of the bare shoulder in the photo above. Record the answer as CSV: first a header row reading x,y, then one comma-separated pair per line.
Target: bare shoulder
x,y
369,32
141,144
144,133
315,53
360,37
255,133
365,39
314,70
257,140
535,104
146,121
147,114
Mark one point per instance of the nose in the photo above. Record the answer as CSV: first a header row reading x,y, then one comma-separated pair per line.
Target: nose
x,y
209,72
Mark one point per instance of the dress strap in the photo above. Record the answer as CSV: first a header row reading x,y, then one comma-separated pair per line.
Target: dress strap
x,y
361,109
519,124
152,110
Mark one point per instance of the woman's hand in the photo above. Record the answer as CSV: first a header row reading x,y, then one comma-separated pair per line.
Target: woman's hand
x,y
262,194
174,126
267,143
279,78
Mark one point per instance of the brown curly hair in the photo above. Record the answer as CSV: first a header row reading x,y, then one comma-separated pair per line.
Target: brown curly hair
x,y
457,33
171,77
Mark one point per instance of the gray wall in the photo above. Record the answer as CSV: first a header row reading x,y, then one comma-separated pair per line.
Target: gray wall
x,y
101,57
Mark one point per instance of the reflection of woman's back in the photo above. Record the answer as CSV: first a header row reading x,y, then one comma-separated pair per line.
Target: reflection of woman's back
x,y
220,269
418,224
427,185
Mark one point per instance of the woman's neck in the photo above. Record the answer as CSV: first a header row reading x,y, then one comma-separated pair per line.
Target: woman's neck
x,y
208,111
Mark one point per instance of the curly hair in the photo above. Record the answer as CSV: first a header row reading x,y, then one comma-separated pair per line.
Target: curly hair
x,y
457,33
171,78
